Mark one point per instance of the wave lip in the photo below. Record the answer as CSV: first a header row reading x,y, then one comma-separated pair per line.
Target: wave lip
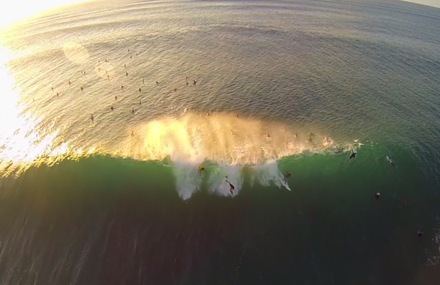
x,y
222,137
224,144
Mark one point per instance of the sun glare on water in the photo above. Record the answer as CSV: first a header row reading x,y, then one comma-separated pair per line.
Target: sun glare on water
x,y
21,142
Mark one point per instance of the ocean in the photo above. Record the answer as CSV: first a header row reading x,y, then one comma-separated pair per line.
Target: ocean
x,y
221,142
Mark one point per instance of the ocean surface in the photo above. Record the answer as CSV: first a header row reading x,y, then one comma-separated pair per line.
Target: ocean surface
x,y
209,142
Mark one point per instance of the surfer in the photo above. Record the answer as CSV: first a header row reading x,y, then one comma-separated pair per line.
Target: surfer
x,y
404,202
92,118
287,176
201,169
377,195
231,186
391,161
419,234
352,155
311,135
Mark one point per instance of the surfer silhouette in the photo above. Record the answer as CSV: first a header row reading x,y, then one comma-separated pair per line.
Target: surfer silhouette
x,y
201,169
287,176
377,195
231,186
352,155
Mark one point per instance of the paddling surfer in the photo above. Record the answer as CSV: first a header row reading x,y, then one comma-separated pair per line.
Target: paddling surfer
x,y
391,161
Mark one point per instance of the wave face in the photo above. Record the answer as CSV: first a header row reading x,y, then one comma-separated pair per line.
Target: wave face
x,y
121,220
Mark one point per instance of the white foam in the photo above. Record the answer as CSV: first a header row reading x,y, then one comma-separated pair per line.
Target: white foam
x,y
187,179
229,143
269,174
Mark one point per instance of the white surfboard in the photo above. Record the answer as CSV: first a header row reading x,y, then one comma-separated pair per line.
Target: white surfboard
x,y
285,184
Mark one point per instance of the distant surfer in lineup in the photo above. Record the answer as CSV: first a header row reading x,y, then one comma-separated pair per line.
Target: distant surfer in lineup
x,y
231,186
352,155
391,161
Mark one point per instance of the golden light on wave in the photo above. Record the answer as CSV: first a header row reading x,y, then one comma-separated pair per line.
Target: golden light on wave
x,y
220,137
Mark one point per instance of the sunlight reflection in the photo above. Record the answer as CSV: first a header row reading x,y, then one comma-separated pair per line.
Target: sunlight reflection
x,y
19,10
21,142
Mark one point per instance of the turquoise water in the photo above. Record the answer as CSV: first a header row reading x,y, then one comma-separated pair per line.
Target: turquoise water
x,y
250,90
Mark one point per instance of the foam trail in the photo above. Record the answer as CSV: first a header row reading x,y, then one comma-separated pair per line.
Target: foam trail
x,y
188,180
267,173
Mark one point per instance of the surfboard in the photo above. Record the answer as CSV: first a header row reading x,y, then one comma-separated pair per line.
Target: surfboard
x,y
285,184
